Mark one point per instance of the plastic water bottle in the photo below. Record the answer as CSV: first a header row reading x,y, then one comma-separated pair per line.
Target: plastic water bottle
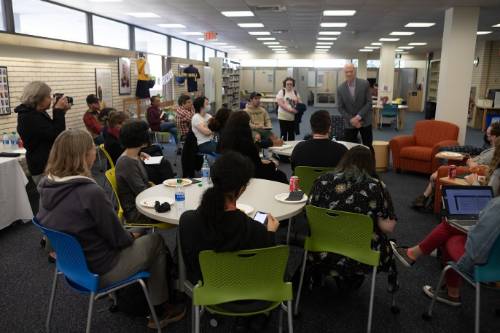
x,y
205,172
13,140
5,140
180,197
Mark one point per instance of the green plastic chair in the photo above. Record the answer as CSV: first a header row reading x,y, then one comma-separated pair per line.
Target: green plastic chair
x,y
243,275
308,175
343,233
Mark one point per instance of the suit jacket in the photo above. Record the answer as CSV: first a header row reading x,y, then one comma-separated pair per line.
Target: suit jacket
x,y
361,104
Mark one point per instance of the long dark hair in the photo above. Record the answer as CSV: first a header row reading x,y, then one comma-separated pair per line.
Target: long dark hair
x,y
230,173
237,136
357,163
217,123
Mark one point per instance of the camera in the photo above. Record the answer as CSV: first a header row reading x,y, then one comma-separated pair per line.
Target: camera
x,y
57,96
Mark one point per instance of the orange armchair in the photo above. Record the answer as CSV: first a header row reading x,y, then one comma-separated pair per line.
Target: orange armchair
x,y
417,152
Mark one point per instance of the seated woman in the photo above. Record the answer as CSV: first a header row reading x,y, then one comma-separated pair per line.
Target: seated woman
x,y
217,123
199,125
237,136
354,187
493,177
72,202
217,224
112,136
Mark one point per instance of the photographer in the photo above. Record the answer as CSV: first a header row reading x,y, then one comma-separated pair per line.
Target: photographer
x,y
36,128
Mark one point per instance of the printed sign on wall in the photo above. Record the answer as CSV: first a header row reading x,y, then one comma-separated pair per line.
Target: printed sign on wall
x,y
4,92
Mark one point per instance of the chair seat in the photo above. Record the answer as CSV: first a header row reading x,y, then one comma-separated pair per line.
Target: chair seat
x,y
83,290
249,308
419,153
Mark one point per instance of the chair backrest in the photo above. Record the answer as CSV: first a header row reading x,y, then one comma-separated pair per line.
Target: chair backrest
x,y
490,272
111,177
108,157
344,233
429,132
308,175
70,258
390,110
244,275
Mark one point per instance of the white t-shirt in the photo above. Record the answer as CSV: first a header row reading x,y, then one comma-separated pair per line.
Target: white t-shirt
x,y
196,120
292,99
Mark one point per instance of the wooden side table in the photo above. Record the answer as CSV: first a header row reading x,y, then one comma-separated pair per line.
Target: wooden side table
x,y
381,149
454,181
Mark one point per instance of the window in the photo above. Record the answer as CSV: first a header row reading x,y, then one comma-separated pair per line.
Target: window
x,y
150,42
44,19
179,48
110,33
156,70
195,52
2,19
209,53
221,54
373,63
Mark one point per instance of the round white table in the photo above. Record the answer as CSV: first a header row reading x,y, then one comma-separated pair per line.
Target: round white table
x,y
290,145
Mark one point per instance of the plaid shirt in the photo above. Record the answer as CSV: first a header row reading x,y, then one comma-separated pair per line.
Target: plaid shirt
x,y
183,120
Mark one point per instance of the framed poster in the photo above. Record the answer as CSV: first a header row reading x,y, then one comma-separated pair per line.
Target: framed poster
x,y
124,76
103,86
4,92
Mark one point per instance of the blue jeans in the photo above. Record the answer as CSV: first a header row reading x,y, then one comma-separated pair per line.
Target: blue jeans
x,y
166,126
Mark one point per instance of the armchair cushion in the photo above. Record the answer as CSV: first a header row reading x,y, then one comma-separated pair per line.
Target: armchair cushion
x,y
428,132
416,153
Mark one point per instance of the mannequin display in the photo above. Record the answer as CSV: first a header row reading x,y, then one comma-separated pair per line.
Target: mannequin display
x,y
192,75
144,82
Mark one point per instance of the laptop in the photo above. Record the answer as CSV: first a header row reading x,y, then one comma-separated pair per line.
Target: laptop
x,y
464,203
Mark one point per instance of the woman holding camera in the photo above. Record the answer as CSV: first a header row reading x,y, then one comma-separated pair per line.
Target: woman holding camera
x,y
36,128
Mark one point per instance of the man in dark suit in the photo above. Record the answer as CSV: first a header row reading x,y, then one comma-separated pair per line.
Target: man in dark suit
x,y
354,100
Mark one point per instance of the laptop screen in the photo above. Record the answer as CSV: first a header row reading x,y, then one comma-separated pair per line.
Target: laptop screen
x,y
466,200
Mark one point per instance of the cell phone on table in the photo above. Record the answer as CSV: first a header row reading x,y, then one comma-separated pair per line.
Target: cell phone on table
x,y
260,217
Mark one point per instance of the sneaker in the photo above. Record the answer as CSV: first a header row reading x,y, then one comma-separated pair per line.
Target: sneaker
x,y
419,202
401,254
172,313
442,296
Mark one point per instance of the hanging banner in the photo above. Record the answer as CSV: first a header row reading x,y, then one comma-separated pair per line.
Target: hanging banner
x,y
167,77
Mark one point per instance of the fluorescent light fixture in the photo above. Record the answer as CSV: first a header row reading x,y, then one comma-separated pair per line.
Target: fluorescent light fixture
x,y
330,33
105,0
365,50
218,43
327,38
266,38
237,13
323,46
280,51
402,33
388,39
372,47
276,46
229,47
406,47
201,38
399,50
496,25
143,15
339,12
376,44
419,25
271,43
333,25
324,43
259,33
172,25
417,44
192,33
250,25
483,32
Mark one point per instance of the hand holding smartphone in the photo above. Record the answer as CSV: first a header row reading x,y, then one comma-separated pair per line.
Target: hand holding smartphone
x,y
268,220
260,217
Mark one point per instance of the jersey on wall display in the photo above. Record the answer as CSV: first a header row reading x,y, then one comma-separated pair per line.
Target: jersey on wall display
x,y
4,92
192,75
103,86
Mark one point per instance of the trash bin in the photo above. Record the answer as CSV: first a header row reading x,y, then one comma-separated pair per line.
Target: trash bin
x,y
430,110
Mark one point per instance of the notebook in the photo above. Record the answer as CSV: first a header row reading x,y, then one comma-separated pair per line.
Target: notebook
x,y
464,203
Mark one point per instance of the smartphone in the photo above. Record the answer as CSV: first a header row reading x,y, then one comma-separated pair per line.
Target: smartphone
x,y
260,217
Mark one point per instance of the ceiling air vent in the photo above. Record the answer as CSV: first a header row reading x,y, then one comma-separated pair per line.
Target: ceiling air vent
x,y
275,8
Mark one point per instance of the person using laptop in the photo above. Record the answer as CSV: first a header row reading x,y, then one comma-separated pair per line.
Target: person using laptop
x,y
456,245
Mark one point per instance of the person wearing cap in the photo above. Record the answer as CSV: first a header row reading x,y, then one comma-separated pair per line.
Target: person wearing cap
x,y
260,122
91,120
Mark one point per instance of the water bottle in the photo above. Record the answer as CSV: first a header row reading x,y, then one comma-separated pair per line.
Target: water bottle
x,y
205,172
5,140
13,140
180,197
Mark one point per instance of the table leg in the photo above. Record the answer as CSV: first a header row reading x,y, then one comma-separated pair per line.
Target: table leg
x,y
180,263
401,119
288,231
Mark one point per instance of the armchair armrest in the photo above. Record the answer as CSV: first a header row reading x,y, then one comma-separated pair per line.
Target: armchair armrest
x,y
435,150
396,144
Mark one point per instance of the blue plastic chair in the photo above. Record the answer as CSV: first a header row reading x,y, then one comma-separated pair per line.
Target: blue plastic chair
x,y
489,272
72,264
389,111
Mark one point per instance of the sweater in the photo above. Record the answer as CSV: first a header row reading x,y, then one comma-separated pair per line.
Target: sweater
x,y
131,179
92,123
259,118
38,132
153,116
79,207
317,153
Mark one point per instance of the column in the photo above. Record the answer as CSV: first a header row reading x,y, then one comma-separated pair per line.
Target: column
x,y
361,72
386,72
455,76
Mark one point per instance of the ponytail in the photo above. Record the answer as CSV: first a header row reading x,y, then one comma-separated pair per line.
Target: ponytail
x,y
212,208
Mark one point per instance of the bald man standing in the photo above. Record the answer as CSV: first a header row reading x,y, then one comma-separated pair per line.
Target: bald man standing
x,y
354,102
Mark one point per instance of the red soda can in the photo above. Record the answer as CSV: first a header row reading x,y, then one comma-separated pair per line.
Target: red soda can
x,y
452,171
294,183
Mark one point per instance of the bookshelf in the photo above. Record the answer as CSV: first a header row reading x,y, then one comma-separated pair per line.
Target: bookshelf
x,y
432,85
226,74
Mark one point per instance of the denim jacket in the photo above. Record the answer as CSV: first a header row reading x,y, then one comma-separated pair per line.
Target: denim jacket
x,y
481,238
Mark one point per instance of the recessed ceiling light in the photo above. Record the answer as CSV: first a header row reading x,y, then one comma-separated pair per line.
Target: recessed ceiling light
x,y
250,25
192,33
365,50
324,43
323,46
339,12
496,25
330,33
372,47
259,33
333,25
218,43
229,47
271,43
143,15
275,46
172,25
405,47
280,51
377,44
399,50
420,24
266,38
484,32
236,13
417,44
388,39
327,38
402,33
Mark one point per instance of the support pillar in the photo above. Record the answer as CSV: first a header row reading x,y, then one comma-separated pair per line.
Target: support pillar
x,y
386,72
362,71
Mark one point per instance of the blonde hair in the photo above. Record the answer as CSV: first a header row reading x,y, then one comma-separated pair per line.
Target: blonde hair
x,y
69,153
34,93
495,160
